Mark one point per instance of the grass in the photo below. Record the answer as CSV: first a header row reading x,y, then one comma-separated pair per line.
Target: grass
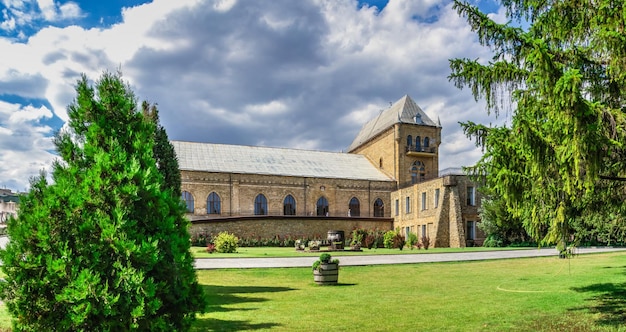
x,y
254,252
586,293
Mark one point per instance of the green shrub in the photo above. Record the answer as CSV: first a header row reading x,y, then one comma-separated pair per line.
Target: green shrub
x,y
225,242
412,240
388,239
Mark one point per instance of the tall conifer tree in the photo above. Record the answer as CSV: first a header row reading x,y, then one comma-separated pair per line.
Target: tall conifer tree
x,y
105,245
562,74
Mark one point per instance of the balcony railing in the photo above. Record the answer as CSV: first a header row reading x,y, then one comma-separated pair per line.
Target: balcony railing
x,y
427,149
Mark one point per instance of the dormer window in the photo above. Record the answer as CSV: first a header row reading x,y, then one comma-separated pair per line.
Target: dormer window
x,y
418,118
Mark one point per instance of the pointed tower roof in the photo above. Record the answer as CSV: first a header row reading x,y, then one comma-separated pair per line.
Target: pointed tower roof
x,y
405,110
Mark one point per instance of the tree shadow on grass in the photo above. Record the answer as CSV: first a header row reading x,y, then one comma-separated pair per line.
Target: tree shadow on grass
x,y
609,300
220,296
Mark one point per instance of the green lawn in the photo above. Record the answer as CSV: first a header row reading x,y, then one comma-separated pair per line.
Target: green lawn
x,y
585,293
251,252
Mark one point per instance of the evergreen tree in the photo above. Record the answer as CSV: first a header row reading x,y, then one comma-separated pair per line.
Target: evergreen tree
x,y
563,78
164,153
103,246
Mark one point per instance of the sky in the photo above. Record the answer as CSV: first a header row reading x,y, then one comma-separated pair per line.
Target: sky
x,y
303,74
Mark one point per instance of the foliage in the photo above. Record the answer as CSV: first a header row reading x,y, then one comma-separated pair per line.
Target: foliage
x,y
105,244
563,80
276,241
499,225
210,248
358,235
412,240
315,244
163,150
225,242
425,242
200,239
388,239
394,239
300,244
325,258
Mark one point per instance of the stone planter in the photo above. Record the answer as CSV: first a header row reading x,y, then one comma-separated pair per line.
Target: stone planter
x,y
326,274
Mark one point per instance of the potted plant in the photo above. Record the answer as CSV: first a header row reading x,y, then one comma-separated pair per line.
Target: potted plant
x,y
326,270
315,245
300,244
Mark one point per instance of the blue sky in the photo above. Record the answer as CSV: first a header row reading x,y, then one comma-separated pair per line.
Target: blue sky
x,y
302,74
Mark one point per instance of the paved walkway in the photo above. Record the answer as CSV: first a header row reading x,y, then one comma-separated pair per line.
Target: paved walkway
x,y
239,263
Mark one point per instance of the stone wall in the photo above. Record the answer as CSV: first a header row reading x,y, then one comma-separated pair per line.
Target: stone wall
x,y
443,220
238,191
287,226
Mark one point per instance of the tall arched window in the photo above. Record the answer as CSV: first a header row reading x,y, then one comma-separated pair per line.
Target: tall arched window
x,y
322,206
260,205
289,206
379,208
213,204
418,143
418,172
414,175
426,142
354,208
409,141
188,198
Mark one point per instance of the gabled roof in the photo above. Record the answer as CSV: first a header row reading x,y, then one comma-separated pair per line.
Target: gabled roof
x,y
404,110
223,158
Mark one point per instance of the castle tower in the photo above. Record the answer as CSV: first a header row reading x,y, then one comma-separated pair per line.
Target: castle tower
x,y
403,142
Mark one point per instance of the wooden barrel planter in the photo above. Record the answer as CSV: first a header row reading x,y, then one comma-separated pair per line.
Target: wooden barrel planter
x,y
326,274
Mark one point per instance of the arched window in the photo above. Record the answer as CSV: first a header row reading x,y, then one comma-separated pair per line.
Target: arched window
x,y
322,206
379,208
289,206
418,172
188,198
409,140
418,143
354,208
213,204
260,205
426,142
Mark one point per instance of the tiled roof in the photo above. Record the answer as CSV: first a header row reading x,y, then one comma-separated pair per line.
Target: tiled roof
x,y
225,158
404,110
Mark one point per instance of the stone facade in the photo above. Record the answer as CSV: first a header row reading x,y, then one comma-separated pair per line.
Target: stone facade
x,y
401,143
293,227
237,194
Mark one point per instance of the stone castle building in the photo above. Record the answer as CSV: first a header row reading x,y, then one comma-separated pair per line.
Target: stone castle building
x,y
389,178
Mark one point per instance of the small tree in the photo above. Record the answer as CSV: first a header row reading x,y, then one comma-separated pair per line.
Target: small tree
x,y
105,245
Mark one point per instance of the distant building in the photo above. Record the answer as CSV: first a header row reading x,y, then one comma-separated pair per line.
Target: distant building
x,y
389,178
9,205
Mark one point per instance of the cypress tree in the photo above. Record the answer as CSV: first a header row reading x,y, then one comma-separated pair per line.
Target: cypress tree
x,y
104,245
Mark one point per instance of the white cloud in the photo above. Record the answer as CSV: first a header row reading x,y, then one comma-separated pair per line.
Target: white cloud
x,y
304,74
